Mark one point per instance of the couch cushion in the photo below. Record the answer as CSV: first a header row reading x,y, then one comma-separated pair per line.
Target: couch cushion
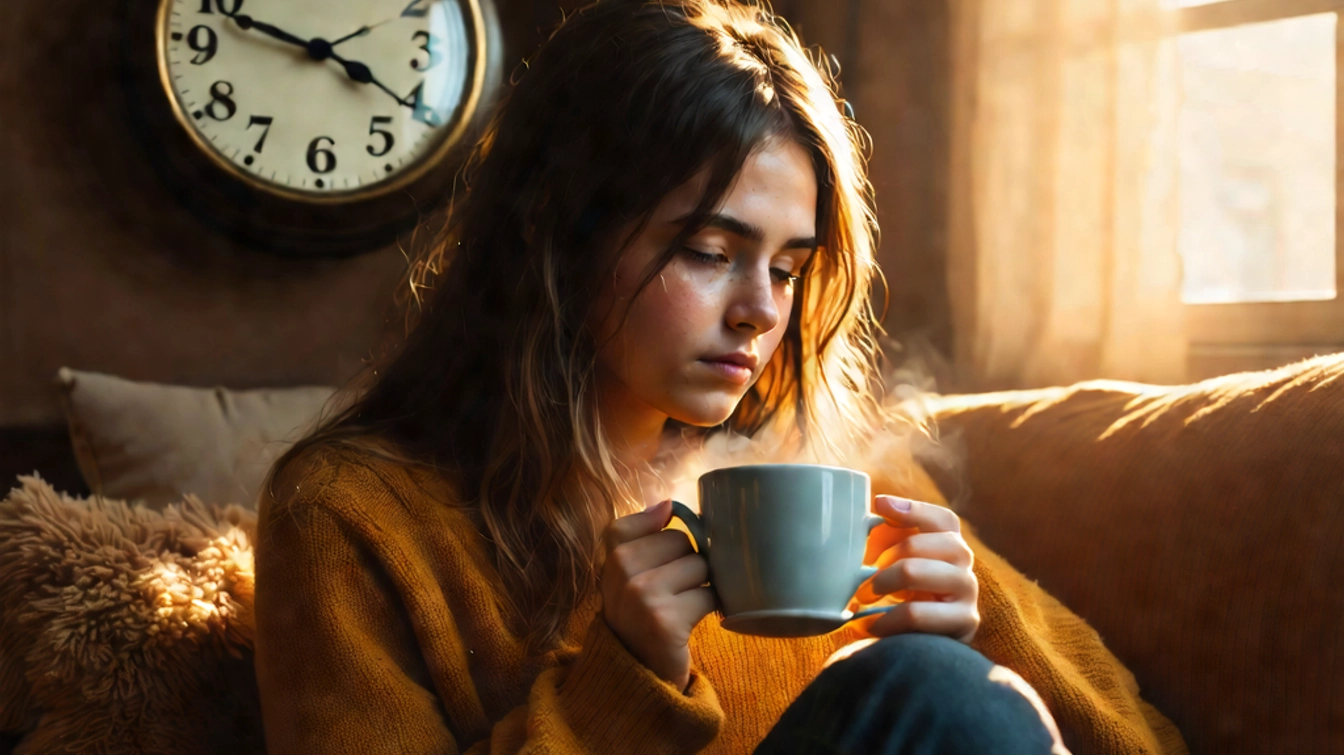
x,y
156,443
1199,529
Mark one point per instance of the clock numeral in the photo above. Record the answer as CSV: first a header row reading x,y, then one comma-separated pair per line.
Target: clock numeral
x,y
260,120
221,93
202,39
414,10
227,7
425,115
431,49
321,159
388,141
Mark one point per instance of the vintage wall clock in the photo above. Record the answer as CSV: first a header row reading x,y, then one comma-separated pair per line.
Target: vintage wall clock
x,y
311,127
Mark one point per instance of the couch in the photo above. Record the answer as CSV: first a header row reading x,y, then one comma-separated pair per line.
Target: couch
x,y
1199,529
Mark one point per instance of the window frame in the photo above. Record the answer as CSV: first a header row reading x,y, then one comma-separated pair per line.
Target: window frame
x,y
1228,337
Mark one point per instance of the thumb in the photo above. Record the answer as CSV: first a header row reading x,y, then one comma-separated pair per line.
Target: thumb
x,y
640,524
660,513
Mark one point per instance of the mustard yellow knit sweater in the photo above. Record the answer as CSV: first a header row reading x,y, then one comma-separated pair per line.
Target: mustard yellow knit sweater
x,y
378,632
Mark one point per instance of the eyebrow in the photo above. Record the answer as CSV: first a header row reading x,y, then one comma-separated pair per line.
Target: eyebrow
x,y
751,232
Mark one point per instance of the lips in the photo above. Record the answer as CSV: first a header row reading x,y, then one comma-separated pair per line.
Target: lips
x,y
735,368
739,358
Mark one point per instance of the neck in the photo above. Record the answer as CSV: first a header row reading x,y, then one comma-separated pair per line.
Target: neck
x,y
633,429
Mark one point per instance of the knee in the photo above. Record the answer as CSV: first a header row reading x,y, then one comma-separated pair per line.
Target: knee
x,y
924,670
938,678
918,659
914,693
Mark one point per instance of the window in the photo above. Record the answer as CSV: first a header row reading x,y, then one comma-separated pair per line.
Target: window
x,y
1259,230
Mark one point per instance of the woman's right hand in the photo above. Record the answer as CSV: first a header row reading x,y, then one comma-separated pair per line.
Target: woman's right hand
x,y
653,593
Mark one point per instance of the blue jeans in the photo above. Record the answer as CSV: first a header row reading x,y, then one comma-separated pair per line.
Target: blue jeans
x,y
909,694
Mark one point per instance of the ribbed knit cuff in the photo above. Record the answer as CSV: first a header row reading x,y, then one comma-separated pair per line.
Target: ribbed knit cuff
x,y
616,704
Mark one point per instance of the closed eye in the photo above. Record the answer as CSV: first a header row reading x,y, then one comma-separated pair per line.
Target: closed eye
x,y
705,258
779,275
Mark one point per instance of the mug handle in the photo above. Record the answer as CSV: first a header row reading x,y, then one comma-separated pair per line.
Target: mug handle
x,y
871,521
695,525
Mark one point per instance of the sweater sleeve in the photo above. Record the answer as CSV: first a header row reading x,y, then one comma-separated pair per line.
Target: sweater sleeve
x,y
1094,699
339,668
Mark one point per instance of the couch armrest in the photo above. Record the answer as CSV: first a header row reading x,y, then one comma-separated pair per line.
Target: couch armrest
x,y
1198,528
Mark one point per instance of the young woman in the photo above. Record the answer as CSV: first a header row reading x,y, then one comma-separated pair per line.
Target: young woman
x,y
666,242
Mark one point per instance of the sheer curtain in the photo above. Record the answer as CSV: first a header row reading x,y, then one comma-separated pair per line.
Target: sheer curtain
x,y
1063,260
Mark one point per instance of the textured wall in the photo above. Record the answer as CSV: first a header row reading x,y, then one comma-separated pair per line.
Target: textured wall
x,y
100,269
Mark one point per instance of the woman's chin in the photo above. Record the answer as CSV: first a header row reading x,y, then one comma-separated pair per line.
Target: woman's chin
x,y
705,413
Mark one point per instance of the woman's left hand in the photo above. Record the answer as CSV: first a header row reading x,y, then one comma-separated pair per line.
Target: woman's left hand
x,y
927,564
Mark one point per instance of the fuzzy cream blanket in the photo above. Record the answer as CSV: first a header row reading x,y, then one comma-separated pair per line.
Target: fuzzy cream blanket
x,y
123,629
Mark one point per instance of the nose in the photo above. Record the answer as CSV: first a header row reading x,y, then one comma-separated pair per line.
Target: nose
x,y
753,308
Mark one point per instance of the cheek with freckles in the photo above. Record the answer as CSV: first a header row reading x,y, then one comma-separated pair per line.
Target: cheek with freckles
x,y
674,321
654,343
670,321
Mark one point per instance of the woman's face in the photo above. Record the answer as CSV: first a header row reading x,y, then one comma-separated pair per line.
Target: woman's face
x,y
697,337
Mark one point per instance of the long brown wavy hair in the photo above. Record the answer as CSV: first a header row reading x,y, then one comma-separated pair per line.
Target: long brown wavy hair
x,y
494,382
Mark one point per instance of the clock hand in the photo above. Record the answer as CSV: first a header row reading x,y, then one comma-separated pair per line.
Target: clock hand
x,y
361,31
357,33
320,49
361,73
247,22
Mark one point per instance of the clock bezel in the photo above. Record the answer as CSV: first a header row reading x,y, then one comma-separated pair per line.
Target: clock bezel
x,y
265,220
450,138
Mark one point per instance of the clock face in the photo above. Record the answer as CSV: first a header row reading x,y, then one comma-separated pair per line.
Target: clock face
x,y
321,100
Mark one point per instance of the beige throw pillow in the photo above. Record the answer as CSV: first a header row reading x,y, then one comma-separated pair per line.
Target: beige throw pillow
x,y
157,443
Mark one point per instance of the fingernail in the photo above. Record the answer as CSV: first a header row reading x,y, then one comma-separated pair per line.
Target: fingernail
x,y
900,504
